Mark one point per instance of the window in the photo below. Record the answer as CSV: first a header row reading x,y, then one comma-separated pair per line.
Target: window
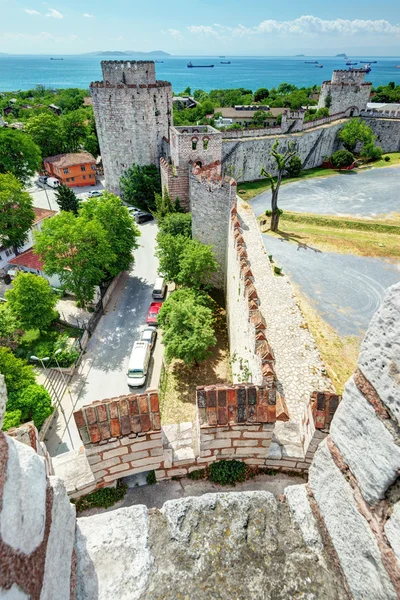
x,y
67,179
93,167
90,176
66,171
83,176
72,178
83,168
194,144
9,252
205,143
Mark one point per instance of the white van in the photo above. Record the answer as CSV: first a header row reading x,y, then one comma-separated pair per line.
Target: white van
x,y
159,288
138,364
52,182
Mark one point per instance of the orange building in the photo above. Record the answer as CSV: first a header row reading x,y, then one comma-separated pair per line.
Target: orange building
x,y
75,170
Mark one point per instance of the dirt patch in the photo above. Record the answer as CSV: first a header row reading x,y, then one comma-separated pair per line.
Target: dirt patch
x,y
178,383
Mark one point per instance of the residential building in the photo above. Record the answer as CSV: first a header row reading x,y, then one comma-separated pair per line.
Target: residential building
x,y
184,102
75,170
31,263
7,254
243,115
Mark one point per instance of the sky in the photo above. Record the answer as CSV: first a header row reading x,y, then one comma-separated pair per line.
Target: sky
x,y
182,27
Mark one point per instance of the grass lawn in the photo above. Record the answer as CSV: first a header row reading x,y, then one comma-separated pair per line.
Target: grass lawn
x,y
178,384
362,237
254,188
339,354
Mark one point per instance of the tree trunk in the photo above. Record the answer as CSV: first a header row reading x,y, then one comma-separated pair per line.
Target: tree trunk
x,y
275,221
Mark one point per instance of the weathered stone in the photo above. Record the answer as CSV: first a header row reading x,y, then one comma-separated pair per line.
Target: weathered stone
x,y
296,496
350,533
57,572
392,530
379,358
116,452
23,513
365,444
14,593
113,570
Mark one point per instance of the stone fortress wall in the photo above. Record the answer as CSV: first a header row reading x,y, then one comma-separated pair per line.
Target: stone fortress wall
x,y
133,113
345,521
346,90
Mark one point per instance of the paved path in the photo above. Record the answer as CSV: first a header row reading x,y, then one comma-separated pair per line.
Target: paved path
x,y
154,496
365,193
102,372
299,367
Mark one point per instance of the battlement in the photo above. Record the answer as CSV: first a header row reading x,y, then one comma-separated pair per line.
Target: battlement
x,y
128,71
198,129
107,84
345,76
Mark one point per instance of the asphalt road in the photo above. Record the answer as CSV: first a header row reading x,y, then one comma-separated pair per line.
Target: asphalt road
x,y
45,197
366,194
102,372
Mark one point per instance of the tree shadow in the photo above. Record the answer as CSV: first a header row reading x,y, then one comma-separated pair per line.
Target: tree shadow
x,y
287,236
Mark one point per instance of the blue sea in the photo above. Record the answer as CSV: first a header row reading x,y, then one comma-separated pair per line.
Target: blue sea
x,y
24,72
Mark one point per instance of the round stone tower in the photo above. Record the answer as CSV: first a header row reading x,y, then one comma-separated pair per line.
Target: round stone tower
x,y
346,92
133,112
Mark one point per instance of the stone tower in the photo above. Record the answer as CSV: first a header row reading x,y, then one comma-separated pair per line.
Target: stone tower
x,y
133,112
346,92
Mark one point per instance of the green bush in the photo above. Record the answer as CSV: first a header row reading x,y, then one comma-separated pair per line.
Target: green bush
x,y
277,270
103,498
151,478
33,401
198,474
342,158
268,213
294,167
270,258
227,472
387,158
12,418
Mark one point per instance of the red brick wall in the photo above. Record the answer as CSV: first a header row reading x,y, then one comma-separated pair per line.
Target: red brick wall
x,y
176,180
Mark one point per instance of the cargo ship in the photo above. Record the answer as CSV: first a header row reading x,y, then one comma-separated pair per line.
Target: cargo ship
x,y
311,62
191,66
225,62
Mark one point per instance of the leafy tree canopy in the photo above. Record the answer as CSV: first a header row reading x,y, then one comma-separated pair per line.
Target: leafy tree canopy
x,y
32,301
16,212
33,402
342,158
294,166
10,328
177,224
45,130
187,325
19,154
355,131
169,250
259,118
17,373
67,199
139,184
121,230
196,265
261,94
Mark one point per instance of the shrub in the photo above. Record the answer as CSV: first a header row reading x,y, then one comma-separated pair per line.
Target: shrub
x,y
371,151
12,418
387,158
268,213
151,478
198,474
342,158
34,402
103,498
294,167
227,472
277,270
270,258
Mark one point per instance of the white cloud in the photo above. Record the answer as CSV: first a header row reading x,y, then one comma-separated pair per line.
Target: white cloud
x,y
54,13
30,11
305,25
174,33
88,16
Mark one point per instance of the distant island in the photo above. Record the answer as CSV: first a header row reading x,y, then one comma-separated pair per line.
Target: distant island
x,y
126,53
343,55
299,55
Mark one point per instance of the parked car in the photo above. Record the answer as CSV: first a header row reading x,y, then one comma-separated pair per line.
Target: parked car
x,y
42,180
52,182
159,289
142,217
138,364
95,194
152,314
133,210
149,334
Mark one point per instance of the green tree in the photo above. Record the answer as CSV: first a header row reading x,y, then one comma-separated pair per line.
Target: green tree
x,y
188,327
16,212
121,230
328,101
294,166
32,301
66,199
163,205
169,250
261,94
196,265
17,373
73,131
91,145
34,403
45,130
282,161
77,250
177,224
355,131
342,158
259,118
139,184
10,328
19,154
371,152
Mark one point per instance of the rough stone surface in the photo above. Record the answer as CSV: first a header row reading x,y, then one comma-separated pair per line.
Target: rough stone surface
x,y
382,368
23,514
74,469
114,560
57,571
14,593
365,444
392,530
297,498
349,531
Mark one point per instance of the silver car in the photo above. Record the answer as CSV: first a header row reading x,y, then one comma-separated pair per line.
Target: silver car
x,y
149,334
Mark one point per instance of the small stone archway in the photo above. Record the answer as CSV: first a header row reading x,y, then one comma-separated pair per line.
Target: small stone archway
x,y
352,111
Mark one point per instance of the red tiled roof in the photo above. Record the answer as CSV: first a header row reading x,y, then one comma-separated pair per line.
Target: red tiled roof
x,y
70,160
28,259
42,213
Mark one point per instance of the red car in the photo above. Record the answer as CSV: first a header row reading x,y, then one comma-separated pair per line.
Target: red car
x,y
152,315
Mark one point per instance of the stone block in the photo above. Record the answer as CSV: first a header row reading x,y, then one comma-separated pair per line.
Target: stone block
x,y
118,468
156,452
105,464
392,530
167,459
148,462
177,472
100,474
263,435
183,455
201,461
213,444
354,542
251,452
160,474
365,444
116,452
296,496
135,456
245,443
226,452
147,445
380,351
92,460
